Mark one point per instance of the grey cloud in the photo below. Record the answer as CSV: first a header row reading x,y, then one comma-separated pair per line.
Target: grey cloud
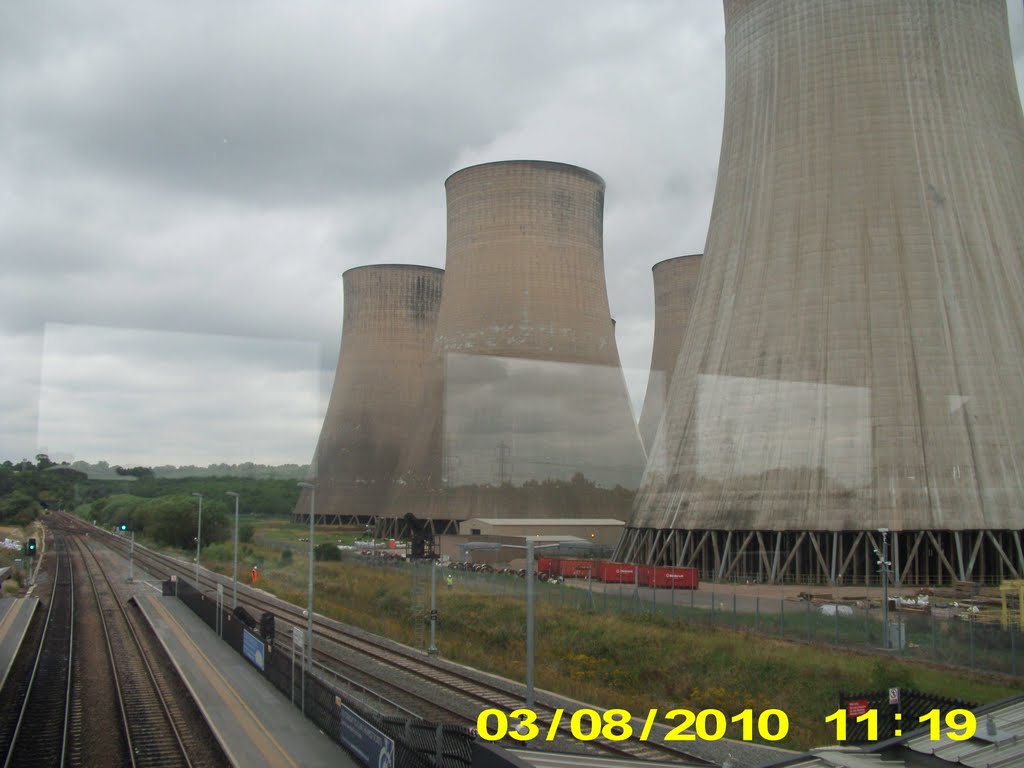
x,y
337,101
211,169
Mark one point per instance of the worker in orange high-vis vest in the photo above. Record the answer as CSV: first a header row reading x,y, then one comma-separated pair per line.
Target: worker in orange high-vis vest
x,y
255,574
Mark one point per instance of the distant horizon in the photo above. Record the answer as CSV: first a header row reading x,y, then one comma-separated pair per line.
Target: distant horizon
x,y
103,464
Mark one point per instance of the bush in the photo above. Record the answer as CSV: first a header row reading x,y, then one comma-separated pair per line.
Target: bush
x,y
286,557
221,551
326,551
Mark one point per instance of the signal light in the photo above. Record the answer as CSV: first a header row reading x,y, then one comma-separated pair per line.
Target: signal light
x,y
31,546
124,526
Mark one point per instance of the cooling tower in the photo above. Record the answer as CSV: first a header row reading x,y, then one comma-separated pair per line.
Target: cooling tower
x,y
390,316
675,282
855,356
529,414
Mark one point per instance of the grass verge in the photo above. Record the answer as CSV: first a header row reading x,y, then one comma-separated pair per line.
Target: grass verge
x,y
634,662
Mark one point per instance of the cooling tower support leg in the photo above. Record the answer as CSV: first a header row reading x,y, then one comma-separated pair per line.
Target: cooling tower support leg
x,y
835,557
960,555
1002,554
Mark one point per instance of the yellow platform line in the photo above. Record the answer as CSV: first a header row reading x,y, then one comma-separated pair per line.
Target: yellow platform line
x,y
259,735
5,627
9,617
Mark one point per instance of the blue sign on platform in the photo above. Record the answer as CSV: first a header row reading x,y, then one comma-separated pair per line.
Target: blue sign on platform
x,y
252,648
371,746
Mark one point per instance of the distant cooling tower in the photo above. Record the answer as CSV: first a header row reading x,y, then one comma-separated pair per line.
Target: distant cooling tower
x,y
386,343
855,359
675,284
529,415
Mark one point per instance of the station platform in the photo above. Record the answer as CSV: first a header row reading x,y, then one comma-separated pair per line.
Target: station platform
x,y
254,723
15,615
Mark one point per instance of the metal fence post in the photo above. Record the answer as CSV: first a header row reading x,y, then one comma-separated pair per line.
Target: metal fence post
x,y
636,604
807,618
970,632
1013,651
931,623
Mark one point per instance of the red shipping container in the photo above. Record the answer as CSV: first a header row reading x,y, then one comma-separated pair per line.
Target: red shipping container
x,y
576,569
548,565
669,578
617,573
646,572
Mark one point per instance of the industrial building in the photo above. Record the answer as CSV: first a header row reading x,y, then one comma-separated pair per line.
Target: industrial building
x,y
527,413
854,358
387,335
604,532
675,284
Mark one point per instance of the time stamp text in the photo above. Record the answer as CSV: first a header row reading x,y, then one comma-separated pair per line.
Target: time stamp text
x,y
705,724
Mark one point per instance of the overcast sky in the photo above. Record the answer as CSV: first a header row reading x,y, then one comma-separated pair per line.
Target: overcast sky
x,y
183,184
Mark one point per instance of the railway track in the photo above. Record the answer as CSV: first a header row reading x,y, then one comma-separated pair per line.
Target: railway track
x,y
434,690
39,735
157,731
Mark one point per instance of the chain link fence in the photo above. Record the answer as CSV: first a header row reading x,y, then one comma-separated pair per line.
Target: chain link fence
x,y
961,639
320,692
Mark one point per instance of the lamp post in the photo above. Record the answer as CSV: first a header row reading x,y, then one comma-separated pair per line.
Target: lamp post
x,y
884,568
309,612
432,650
199,535
234,586
529,623
530,547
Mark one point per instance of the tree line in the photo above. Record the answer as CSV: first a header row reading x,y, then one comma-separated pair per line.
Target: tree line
x,y
103,470
163,509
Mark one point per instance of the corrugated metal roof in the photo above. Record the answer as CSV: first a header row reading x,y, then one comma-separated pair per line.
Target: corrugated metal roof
x,y
998,741
545,521
563,760
844,759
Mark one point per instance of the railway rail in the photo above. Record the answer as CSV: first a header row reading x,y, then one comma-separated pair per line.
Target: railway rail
x,y
39,734
433,690
157,729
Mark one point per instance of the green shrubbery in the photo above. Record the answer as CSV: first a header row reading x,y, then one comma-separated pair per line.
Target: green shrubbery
x,y
170,520
26,489
327,551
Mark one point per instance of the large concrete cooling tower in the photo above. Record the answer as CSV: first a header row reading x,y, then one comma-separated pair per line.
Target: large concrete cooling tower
x,y
855,356
530,416
386,342
675,283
